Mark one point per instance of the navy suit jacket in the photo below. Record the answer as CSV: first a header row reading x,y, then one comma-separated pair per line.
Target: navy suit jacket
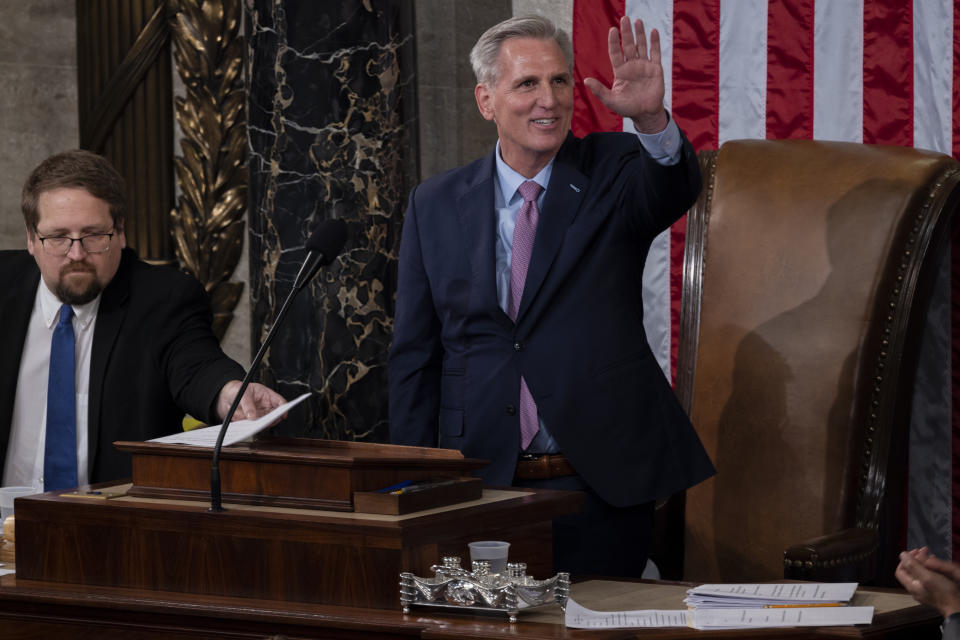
x,y
154,356
456,358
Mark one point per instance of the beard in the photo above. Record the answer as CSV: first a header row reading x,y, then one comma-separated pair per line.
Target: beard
x,y
79,293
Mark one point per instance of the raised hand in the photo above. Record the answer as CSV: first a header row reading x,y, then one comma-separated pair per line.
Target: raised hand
x,y
638,89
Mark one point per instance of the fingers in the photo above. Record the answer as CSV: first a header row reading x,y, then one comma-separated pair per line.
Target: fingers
x,y
613,47
641,39
256,401
912,575
247,408
926,582
631,43
949,569
654,44
272,399
225,398
597,88
952,571
260,400
630,49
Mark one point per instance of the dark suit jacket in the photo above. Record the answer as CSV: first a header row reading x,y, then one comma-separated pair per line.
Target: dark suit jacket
x,y
456,359
154,356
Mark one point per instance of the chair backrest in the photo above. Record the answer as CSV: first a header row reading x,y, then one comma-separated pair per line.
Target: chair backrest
x,y
806,271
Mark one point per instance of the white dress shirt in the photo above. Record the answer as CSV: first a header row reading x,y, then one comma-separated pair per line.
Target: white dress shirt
x,y
24,463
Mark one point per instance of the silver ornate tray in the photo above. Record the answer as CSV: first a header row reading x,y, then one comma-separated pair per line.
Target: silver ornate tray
x,y
453,587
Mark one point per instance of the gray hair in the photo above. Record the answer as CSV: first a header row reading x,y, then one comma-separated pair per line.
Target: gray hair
x,y
486,53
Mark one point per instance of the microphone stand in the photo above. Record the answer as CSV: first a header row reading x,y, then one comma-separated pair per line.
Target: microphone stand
x,y
215,494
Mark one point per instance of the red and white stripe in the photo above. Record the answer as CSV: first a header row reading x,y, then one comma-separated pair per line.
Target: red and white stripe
x,y
872,71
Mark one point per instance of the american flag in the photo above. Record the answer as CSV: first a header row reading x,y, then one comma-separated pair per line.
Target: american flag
x,y
872,71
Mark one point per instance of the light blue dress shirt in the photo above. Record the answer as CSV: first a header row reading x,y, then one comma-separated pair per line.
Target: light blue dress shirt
x,y
664,147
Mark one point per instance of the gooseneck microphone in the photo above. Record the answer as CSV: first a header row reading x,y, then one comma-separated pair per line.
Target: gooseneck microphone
x,y
322,247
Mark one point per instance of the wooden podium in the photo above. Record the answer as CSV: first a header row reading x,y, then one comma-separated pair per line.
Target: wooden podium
x,y
290,531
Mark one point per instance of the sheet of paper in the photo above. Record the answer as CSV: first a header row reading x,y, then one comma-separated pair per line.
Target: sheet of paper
x,y
785,617
5,571
790,592
236,432
579,617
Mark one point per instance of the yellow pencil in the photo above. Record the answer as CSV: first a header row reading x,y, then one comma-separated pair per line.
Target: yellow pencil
x,y
797,606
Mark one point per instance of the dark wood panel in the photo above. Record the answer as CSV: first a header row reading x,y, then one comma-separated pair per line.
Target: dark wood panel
x,y
304,556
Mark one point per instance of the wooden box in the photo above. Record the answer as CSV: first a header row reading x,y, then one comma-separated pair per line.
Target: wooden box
x,y
290,472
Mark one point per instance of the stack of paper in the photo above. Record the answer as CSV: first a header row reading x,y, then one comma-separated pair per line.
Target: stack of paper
x,y
739,596
739,606
794,604
797,617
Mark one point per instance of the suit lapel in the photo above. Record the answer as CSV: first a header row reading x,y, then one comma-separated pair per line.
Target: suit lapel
x,y
476,213
110,315
16,303
564,195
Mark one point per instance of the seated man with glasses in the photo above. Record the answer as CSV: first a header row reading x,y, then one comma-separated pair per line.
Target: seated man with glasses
x,y
96,345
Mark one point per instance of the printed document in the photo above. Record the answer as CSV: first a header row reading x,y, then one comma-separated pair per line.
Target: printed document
x,y
738,606
236,432
785,617
579,617
713,596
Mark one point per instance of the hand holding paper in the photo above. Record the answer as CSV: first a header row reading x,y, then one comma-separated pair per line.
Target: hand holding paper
x,y
237,431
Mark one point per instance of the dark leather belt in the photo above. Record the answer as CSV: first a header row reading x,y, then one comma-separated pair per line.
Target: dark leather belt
x,y
543,467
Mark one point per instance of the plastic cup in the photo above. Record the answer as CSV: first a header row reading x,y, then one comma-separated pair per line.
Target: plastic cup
x,y
493,551
7,495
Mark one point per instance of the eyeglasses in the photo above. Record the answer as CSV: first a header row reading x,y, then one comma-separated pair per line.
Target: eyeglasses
x,y
60,245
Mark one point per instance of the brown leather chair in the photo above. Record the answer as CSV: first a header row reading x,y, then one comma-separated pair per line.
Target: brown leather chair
x,y
806,273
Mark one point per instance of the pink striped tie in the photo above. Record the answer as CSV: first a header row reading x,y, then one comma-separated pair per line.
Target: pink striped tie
x,y
524,231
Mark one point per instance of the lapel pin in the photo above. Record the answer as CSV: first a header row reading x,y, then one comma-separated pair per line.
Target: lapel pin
x,y
575,188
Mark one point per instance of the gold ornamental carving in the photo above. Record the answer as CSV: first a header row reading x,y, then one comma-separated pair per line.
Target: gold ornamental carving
x,y
208,220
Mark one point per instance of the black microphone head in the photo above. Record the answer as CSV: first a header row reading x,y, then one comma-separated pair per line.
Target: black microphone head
x,y
328,240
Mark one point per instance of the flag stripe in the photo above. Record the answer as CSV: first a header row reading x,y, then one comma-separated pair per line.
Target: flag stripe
x,y
789,70
888,72
932,74
696,63
695,69
742,93
591,23
657,14
657,302
838,71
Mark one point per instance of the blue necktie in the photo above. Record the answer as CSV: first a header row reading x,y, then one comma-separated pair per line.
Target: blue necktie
x,y
60,451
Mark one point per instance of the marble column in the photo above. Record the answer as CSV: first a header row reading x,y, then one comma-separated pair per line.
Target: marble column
x,y
332,135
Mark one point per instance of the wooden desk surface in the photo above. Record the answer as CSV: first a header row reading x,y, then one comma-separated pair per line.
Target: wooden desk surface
x,y
40,610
